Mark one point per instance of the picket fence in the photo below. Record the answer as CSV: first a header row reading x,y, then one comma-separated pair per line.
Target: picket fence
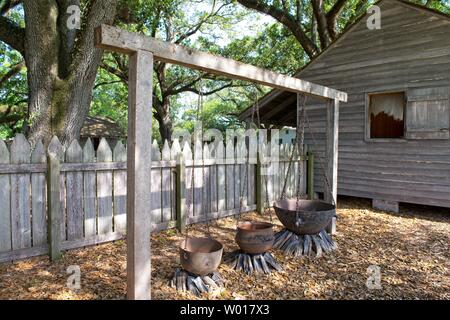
x,y
91,193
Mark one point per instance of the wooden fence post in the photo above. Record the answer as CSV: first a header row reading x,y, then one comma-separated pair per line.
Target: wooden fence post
x,y
53,205
181,193
259,186
310,175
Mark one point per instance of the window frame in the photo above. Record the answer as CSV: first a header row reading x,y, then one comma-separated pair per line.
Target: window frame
x,y
367,137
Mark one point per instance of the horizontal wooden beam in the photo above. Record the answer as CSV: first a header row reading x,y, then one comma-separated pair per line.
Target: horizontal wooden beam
x,y
13,168
115,39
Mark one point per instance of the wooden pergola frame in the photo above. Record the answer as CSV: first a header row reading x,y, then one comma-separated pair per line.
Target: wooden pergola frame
x,y
142,51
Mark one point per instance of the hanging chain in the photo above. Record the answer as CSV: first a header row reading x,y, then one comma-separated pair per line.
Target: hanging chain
x,y
200,116
247,164
266,204
244,187
189,203
305,120
291,159
327,180
189,199
301,146
298,146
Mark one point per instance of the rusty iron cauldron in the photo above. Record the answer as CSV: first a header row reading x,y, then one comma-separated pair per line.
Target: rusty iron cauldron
x,y
200,256
254,237
313,215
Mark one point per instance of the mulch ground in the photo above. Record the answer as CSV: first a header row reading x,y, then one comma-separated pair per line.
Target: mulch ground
x,y
411,249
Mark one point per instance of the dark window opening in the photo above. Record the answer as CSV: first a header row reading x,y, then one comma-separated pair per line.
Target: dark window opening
x,y
387,111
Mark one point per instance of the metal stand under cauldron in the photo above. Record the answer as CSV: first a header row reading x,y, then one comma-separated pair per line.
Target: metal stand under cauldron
x,y
250,263
185,281
305,222
200,258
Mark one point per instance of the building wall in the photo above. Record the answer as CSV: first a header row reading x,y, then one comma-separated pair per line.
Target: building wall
x,y
411,51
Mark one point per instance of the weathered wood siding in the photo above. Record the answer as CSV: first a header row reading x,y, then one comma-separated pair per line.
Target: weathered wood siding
x,y
410,53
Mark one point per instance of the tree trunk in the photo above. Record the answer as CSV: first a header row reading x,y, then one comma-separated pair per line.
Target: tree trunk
x,y
164,121
61,76
41,57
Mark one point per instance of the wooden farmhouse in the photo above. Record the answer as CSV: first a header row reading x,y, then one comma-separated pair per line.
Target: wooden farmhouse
x,y
394,141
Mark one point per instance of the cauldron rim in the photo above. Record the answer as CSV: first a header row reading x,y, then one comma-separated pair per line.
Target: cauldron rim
x,y
284,205
216,245
262,224
312,216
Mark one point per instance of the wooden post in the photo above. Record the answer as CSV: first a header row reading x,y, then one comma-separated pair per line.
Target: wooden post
x,y
181,193
139,167
332,132
259,186
53,205
310,175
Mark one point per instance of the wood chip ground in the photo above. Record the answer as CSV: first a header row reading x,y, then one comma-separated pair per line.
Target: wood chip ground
x,y
410,248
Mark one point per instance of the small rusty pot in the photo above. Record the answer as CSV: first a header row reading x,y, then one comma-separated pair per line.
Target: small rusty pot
x,y
313,215
200,256
254,237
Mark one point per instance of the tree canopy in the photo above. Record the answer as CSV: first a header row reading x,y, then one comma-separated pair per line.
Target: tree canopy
x,y
51,77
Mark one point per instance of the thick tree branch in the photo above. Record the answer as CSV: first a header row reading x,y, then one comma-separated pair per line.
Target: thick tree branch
x,y
12,34
67,37
287,20
195,28
12,72
11,118
208,93
172,90
322,23
115,71
332,16
106,83
357,12
85,53
9,5
298,11
7,118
